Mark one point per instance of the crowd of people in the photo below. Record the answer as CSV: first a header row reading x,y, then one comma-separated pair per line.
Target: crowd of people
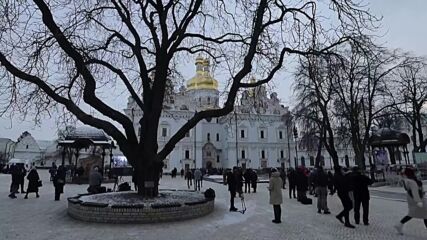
x,y
351,186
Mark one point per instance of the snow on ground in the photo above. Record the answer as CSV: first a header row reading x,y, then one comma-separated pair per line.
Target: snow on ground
x,y
165,197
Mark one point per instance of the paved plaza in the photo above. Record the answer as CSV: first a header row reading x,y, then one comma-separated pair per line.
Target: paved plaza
x,y
43,218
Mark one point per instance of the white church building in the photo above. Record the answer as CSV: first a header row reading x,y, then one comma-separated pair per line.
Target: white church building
x,y
254,136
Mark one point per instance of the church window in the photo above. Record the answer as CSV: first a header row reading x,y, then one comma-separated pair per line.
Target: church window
x,y
262,154
26,147
243,154
164,132
187,154
208,153
209,137
217,137
242,133
217,158
280,135
209,100
262,133
282,154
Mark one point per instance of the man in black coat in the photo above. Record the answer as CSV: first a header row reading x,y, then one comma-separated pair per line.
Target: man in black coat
x,y
234,182
361,195
14,186
320,180
292,182
302,184
22,174
254,180
342,186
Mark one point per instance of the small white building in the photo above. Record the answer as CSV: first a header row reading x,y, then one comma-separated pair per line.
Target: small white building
x,y
6,149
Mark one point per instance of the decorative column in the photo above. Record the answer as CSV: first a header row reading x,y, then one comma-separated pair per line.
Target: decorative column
x,y
103,159
63,155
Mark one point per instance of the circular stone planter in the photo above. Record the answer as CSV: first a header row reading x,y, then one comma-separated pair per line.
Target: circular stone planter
x,y
128,207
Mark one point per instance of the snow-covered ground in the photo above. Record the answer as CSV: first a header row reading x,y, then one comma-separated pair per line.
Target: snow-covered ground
x,y
45,219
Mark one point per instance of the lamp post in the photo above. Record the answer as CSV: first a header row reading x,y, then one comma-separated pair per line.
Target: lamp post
x,y
296,145
237,150
195,142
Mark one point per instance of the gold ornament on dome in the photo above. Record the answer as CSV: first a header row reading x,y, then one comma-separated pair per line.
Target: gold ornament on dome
x,y
203,78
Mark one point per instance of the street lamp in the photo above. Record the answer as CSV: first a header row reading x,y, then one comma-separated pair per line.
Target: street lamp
x,y
296,145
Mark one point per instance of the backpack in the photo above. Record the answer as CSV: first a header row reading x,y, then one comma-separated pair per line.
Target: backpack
x,y
210,193
124,187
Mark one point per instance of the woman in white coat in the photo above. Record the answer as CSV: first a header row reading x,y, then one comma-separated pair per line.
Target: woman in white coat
x,y
417,203
275,188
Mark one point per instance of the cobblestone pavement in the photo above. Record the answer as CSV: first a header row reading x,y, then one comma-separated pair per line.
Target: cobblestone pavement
x,y
43,218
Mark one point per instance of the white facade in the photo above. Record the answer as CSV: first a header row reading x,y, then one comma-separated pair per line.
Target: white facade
x,y
27,148
262,136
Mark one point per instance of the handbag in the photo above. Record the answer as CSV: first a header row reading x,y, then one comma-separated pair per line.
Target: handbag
x,y
39,183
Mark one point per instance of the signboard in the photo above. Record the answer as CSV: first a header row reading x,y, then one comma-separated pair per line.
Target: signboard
x,y
381,159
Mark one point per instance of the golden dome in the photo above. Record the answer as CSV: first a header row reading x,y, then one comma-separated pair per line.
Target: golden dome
x,y
203,78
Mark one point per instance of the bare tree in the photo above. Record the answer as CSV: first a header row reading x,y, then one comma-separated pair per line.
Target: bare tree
x,y
360,90
70,54
408,93
314,90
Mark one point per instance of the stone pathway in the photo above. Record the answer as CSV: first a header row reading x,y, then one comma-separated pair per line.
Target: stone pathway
x,y
43,218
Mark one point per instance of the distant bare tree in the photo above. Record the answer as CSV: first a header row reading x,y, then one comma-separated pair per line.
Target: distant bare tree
x,y
408,93
315,96
70,54
360,90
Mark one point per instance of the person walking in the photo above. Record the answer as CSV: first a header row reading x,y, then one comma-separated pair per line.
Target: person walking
x,y
283,177
174,172
197,179
321,190
22,174
254,180
189,178
361,195
182,172
33,182
275,188
247,177
292,182
52,171
342,186
232,180
417,203
14,185
59,182
301,183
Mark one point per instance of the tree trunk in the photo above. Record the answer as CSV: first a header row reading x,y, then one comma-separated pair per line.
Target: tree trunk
x,y
147,174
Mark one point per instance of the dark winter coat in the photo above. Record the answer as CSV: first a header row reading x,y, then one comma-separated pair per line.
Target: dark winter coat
x,y
254,178
360,186
302,181
15,172
247,176
33,181
292,177
342,184
59,179
234,181
320,179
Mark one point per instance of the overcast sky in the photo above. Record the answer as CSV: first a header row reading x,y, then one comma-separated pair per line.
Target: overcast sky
x,y
403,25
